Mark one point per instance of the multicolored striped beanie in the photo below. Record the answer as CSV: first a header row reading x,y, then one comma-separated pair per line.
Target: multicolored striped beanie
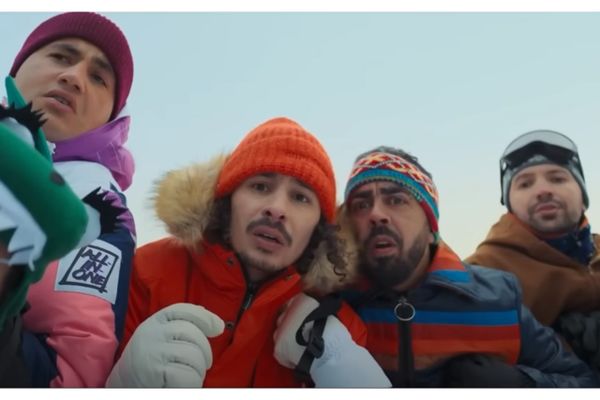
x,y
381,164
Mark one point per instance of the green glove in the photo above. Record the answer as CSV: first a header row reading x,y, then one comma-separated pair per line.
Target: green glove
x,y
41,219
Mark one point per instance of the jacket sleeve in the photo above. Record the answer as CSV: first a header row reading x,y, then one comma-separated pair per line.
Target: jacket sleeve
x,y
78,310
544,359
137,305
353,323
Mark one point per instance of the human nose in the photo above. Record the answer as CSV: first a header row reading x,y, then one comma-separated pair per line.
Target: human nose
x,y
378,215
73,77
543,191
276,207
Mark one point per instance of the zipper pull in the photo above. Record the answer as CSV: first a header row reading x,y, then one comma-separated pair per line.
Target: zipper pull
x,y
404,311
249,296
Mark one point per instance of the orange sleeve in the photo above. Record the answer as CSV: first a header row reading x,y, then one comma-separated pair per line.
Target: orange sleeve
x,y
137,306
354,324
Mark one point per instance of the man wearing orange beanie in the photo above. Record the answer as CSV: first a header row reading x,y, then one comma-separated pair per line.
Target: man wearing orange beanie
x,y
203,303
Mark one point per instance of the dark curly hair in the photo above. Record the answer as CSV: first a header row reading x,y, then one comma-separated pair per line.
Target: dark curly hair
x,y
217,231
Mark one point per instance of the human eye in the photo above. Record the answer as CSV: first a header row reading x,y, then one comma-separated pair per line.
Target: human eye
x,y
301,198
260,187
60,57
358,205
397,199
99,79
557,179
524,184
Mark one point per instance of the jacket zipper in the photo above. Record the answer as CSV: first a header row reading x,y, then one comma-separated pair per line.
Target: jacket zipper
x,y
248,297
405,312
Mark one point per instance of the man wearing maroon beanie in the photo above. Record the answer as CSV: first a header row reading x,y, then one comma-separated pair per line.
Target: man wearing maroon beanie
x,y
77,69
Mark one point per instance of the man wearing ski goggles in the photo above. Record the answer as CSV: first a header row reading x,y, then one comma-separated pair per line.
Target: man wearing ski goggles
x,y
545,238
540,147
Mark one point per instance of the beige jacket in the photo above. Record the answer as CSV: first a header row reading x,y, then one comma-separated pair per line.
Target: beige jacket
x,y
552,282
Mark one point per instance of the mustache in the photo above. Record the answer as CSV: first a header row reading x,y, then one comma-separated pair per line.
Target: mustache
x,y
387,272
383,230
266,221
557,203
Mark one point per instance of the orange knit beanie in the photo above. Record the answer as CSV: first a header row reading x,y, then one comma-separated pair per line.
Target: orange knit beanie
x,y
282,146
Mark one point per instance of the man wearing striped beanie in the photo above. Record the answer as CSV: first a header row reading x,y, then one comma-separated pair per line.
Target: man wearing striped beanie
x,y
431,320
401,236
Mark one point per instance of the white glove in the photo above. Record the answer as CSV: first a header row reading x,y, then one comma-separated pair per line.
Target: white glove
x,y
343,363
169,349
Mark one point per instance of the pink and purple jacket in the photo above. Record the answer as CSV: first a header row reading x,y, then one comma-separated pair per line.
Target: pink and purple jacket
x,y
75,320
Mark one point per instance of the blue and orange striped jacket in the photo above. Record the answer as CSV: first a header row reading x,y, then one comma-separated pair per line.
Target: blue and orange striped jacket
x,y
461,309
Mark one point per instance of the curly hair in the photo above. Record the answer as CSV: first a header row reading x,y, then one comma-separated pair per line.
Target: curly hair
x,y
327,234
217,231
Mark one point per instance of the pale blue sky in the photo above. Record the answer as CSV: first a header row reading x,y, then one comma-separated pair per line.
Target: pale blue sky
x,y
451,88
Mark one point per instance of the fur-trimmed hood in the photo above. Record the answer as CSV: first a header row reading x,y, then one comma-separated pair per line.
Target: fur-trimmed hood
x,y
184,199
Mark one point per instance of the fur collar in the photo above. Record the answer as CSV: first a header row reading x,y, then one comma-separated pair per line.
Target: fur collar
x,y
183,200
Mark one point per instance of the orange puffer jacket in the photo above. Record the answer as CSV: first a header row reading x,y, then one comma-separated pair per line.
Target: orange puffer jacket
x,y
186,268
166,273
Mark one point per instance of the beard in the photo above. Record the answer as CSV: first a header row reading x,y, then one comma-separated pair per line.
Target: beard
x,y
564,220
388,272
252,263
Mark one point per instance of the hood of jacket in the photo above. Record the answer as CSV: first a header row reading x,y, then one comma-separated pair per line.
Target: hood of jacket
x,y
104,145
184,200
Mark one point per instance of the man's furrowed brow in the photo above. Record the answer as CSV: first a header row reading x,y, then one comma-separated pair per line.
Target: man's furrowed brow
x,y
304,185
393,189
522,176
362,194
557,171
103,64
68,48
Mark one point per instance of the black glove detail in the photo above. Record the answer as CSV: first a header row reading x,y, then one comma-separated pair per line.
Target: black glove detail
x,y
483,371
582,332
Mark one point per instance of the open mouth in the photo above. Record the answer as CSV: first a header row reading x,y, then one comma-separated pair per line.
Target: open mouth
x,y
61,100
383,246
268,237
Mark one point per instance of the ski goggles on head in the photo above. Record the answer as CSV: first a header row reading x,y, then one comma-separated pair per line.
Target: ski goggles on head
x,y
555,146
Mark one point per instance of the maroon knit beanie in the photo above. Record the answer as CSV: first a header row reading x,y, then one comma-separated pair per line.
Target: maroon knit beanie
x,y
94,28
